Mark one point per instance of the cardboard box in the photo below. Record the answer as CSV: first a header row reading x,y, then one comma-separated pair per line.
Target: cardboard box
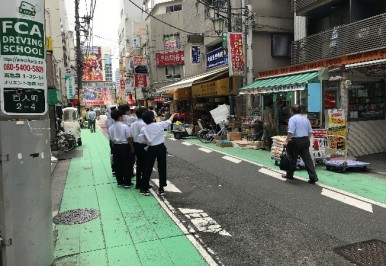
x,y
224,144
235,124
234,136
219,138
257,145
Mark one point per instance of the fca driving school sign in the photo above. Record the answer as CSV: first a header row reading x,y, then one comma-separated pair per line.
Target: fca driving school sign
x,y
22,58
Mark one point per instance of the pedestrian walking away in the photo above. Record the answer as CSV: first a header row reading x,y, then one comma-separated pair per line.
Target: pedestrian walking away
x,y
268,126
298,143
91,116
153,135
123,150
139,148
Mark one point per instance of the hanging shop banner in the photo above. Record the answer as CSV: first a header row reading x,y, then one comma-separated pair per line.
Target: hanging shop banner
x,y
236,54
140,81
170,58
171,41
337,132
23,83
196,54
217,57
92,63
70,87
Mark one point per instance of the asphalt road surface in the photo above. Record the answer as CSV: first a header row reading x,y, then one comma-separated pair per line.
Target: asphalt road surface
x,y
243,215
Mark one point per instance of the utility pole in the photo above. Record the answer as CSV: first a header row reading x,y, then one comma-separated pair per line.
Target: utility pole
x,y
230,80
79,57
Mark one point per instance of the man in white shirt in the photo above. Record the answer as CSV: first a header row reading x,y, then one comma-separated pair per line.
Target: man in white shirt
x,y
153,135
128,117
123,151
139,148
91,116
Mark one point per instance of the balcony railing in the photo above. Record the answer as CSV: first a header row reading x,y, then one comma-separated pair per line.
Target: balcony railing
x,y
361,36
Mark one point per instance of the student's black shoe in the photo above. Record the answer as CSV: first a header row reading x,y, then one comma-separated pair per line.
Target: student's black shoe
x,y
161,191
313,181
288,177
145,192
128,185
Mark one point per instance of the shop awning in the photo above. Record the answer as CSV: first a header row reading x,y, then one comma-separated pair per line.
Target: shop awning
x,y
52,97
281,83
188,82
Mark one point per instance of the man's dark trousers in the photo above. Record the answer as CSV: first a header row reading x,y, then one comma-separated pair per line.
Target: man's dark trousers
x,y
155,152
91,123
123,164
140,154
300,147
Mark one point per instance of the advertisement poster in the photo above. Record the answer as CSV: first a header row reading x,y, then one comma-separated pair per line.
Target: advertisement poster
x,y
171,41
319,144
70,87
196,54
337,131
217,57
23,84
92,64
97,96
140,81
236,54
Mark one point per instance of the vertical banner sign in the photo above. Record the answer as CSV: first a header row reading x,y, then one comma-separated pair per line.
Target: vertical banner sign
x,y
70,87
23,85
140,80
196,54
337,132
236,54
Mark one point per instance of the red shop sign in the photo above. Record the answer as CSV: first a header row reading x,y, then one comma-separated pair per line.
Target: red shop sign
x,y
140,80
170,58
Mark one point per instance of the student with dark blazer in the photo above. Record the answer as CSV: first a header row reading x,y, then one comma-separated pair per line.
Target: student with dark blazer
x,y
153,135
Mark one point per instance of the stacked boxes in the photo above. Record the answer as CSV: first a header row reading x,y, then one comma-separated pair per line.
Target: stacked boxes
x,y
277,147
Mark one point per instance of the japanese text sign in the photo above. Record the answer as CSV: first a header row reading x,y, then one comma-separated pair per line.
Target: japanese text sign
x,y
236,54
170,58
140,80
217,57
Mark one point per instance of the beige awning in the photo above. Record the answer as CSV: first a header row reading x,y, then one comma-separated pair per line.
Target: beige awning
x,y
188,82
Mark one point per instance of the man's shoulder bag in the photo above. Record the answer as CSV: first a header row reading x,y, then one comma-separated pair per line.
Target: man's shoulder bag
x,y
285,160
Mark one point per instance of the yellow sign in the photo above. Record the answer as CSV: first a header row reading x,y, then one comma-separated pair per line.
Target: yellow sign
x,y
182,94
49,44
213,88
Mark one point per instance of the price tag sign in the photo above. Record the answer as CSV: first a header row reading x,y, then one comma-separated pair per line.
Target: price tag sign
x,y
24,101
23,82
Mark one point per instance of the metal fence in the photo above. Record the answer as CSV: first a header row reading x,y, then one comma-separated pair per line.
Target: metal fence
x,y
299,4
364,35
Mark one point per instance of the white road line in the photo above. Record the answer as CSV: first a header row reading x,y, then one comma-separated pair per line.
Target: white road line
x,y
271,173
205,150
187,143
170,211
231,159
169,188
203,222
347,200
173,139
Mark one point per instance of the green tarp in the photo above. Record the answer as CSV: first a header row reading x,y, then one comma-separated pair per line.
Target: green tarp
x,y
297,79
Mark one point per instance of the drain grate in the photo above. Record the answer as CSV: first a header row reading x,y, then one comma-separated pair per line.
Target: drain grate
x,y
367,253
77,216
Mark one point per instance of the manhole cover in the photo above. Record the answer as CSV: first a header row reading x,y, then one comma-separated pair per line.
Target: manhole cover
x,y
368,253
78,216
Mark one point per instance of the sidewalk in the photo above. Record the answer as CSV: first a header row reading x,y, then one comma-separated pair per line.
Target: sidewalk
x,y
131,230
369,185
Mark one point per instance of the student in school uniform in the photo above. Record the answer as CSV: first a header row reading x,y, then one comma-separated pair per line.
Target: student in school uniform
x,y
153,135
139,148
123,150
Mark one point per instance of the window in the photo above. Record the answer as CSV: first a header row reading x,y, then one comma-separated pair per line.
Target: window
x,y
173,72
174,8
281,45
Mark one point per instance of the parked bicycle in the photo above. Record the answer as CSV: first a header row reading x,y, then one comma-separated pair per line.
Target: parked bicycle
x,y
207,135
63,141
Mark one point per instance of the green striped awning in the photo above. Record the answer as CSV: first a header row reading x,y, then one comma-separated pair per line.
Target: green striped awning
x,y
282,83
52,97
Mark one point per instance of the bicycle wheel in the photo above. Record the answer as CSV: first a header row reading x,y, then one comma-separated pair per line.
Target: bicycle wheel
x,y
206,136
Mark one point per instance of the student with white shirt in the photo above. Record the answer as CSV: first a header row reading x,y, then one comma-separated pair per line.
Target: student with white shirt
x,y
128,117
123,151
139,148
153,135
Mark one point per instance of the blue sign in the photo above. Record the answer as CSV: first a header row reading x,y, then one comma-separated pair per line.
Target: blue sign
x,y
196,54
216,57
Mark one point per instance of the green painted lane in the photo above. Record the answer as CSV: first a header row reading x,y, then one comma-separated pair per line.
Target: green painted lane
x,y
366,185
131,230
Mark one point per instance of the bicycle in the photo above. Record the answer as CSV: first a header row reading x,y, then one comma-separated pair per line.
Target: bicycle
x,y
63,141
207,135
